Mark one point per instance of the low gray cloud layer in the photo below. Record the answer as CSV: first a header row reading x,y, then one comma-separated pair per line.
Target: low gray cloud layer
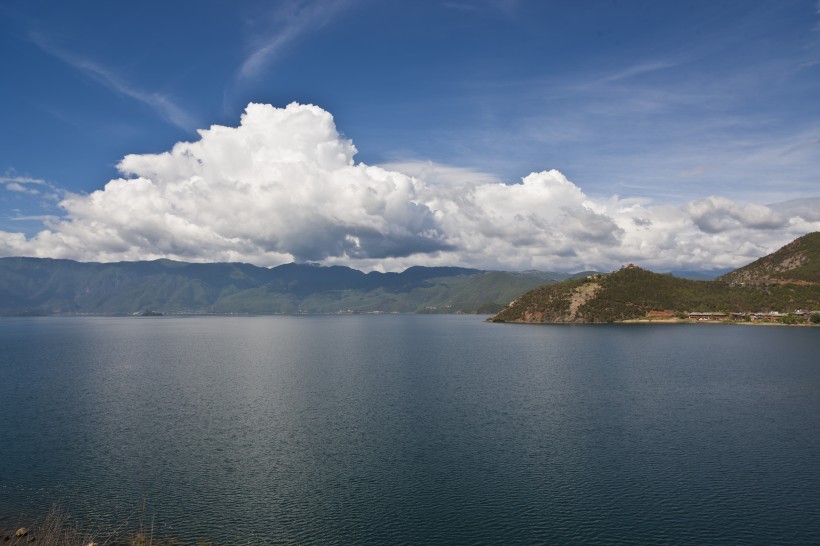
x,y
284,186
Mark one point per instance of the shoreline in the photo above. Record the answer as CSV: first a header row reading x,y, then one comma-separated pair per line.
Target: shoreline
x,y
57,527
728,322
660,321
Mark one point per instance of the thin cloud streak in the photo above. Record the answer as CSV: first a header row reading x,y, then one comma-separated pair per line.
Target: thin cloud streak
x,y
438,174
14,186
10,179
508,8
802,147
305,17
165,107
45,218
46,191
22,184
637,70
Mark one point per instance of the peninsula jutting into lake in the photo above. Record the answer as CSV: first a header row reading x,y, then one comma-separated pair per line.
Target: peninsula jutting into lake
x,y
782,287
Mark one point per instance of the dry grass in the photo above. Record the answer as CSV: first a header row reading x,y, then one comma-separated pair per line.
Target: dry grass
x,y
56,529
53,530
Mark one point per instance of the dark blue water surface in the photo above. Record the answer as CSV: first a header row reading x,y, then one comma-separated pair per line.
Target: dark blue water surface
x,y
414,429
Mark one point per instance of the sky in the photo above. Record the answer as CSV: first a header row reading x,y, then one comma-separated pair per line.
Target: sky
x,y
379,134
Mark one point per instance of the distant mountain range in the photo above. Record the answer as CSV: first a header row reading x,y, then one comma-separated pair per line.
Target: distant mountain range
x,y
36,286
784,281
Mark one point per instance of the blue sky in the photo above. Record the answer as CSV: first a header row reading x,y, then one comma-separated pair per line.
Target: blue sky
x,y
664,102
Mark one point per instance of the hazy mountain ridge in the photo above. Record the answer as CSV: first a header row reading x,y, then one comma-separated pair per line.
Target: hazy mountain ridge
x,y
51,286
783,281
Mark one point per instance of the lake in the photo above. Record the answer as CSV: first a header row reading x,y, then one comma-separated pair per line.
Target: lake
x,y
414,429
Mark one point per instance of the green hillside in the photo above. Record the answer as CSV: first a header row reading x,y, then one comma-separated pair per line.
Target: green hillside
x,y
634,293
797,261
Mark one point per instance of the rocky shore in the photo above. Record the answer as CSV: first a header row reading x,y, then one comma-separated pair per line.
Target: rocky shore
x,y
56,530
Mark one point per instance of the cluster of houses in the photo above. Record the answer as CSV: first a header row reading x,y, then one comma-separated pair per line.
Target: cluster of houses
x,y
771,316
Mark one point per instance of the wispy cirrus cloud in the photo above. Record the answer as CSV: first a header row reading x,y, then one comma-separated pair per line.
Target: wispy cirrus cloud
x,y
14,186
436,174
33,202
13,179
506,7
46,193
296,19
162,104
21,184
43,218
802,147
637,70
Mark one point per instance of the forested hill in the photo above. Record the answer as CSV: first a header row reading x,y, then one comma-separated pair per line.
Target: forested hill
x,y
798,261
783,281
46,286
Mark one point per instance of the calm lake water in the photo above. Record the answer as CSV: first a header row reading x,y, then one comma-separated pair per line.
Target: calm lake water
x,y
414,429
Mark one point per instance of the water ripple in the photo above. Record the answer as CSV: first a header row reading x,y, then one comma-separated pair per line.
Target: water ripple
x,y
406,430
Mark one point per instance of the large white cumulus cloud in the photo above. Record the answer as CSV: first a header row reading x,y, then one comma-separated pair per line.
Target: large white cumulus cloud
x,y
284,186
281,186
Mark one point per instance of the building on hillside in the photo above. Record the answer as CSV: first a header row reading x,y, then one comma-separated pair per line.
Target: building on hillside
x,y
771,315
